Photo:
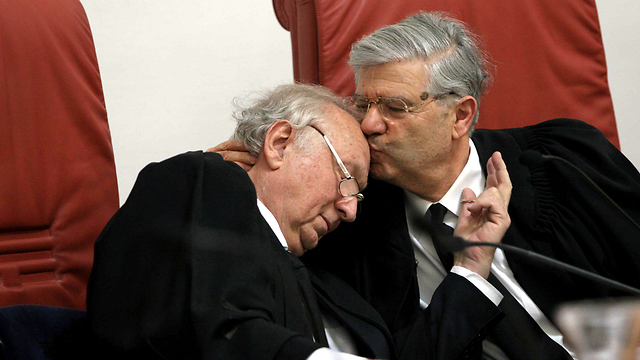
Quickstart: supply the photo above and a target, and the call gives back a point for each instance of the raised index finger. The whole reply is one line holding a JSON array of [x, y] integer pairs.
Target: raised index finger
[[498, 176]]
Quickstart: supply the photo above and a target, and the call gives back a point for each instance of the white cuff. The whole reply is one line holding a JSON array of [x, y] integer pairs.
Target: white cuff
[[481, 283], [328, 354]]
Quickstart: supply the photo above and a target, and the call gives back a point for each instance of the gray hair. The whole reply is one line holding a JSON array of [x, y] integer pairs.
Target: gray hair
[[451, 52], [300, 104]]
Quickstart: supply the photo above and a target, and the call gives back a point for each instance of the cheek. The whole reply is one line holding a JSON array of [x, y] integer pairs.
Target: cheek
[[315, 186], [318, 197], [402, 138], [302, 183], [309, 202], [398, 132], [426, 133]]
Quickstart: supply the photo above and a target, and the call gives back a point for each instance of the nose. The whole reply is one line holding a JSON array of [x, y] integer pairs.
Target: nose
[[374, 121], [347, 207]]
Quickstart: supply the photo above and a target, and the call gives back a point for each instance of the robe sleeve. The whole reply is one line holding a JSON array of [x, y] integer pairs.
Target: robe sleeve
[[573, 221], [556, 212]]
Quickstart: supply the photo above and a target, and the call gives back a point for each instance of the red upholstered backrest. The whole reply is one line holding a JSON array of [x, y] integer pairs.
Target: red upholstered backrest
[[549, 53], [57, 174]]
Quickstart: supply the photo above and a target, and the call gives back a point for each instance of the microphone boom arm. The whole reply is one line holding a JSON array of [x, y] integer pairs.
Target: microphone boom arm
[[557, 264]]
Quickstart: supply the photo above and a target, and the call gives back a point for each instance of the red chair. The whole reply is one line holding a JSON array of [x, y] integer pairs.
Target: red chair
[[57, 175], [549, 53]]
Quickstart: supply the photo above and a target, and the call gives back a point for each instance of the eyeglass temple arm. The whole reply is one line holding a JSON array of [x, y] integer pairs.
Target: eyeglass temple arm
[[335, 154]]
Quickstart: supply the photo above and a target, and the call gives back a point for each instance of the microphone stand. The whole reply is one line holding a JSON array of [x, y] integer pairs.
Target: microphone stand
[[556, 264]]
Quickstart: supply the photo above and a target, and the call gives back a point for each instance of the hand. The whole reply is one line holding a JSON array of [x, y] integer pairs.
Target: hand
[[234, 150], [484, 218]]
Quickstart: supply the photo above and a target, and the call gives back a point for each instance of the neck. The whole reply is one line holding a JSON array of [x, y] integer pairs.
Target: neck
[[260, 178]]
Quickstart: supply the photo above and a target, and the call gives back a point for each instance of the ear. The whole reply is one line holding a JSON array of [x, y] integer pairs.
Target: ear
[[278, 137], [465, 110]]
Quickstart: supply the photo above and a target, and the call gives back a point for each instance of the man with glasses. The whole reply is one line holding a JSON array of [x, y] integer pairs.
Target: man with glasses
[[201, 260], [419, 84]]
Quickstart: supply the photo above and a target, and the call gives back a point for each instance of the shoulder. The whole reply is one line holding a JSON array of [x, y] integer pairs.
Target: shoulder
[[194, 166], [194, 160], [558, 137], [192, 175], [555, 130]]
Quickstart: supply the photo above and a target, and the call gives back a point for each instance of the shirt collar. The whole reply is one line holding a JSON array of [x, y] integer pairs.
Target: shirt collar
[[471, 177], [273, 224]]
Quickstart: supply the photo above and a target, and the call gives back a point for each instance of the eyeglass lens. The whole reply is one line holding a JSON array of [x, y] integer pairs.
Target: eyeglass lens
[[388, 107], [349, 187]]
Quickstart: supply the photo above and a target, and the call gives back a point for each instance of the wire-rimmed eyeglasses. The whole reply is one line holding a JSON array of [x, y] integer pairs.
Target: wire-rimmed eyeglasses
[[390, 108], [348, 185]]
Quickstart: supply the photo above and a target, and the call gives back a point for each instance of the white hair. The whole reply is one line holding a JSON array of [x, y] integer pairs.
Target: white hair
[[300, 104]]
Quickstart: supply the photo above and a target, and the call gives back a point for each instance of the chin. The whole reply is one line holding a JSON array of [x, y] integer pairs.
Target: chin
[[379, 172], [297, 251], [310, 245], [309, 242]]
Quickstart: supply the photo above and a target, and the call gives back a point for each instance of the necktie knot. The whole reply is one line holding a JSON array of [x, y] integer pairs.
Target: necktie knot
[[435, 214]]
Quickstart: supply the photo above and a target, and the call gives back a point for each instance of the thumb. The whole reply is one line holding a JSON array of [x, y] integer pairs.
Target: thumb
[[468, 196], [468, 201]]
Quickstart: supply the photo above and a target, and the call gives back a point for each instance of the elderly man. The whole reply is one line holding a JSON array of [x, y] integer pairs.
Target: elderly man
[[201, 261], [419, 85], [195, 263], [418, 88]]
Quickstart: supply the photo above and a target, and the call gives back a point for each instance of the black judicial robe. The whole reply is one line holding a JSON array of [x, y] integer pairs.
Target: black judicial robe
[[553, 212], [189, 269]]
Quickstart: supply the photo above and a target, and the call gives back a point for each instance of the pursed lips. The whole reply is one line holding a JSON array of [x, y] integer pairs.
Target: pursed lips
[[374, 153]]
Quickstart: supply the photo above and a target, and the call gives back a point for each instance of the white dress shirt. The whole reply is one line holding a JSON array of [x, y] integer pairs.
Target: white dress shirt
[[430, 269], [341, 344]]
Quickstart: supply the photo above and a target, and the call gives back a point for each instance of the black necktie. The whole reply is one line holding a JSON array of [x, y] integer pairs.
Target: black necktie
[[439, 231], [309, 302]]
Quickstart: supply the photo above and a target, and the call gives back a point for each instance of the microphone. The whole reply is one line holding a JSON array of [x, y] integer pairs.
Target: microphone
[[532, 158], [456, 243]]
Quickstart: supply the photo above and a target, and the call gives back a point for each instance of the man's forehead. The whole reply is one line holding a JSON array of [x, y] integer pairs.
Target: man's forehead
[[351, 146], [348, 141]]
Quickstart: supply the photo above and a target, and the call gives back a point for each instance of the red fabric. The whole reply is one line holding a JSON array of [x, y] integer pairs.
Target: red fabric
[[57, 174], [549, 53]]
